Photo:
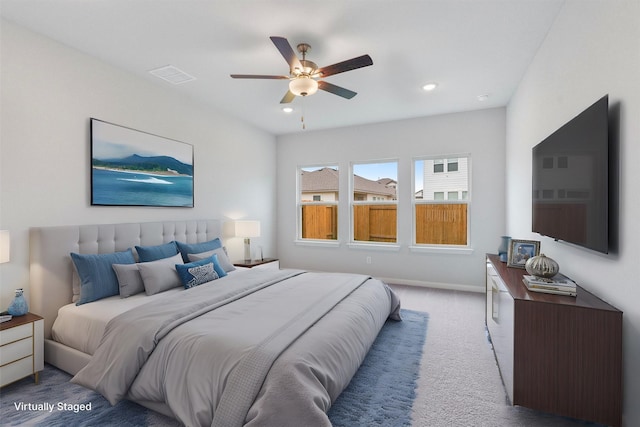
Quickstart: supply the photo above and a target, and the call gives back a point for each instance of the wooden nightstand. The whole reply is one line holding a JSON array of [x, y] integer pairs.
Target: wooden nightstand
[[21, 348], [272, 263]]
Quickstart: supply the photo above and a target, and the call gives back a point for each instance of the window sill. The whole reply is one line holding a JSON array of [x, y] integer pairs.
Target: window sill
[[444, 249], [321, 243], [374, 246]]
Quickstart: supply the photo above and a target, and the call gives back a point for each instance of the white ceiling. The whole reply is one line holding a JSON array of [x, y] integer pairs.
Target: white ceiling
[[469, 47]]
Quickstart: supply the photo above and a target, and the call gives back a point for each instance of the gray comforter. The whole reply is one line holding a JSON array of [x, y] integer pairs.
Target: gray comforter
[[270, 347]]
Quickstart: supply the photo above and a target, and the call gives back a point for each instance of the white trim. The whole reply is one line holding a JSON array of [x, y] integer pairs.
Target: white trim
[[374, 246], [352, 203], [436, 285], [315, 242], [414, 202], [300, 203], [442, 249]]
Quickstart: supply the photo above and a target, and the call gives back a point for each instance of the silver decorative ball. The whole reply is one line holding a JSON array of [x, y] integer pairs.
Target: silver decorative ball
[[542, 266]]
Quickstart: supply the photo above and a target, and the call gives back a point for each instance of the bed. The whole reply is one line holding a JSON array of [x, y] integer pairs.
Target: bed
[[252, 347]]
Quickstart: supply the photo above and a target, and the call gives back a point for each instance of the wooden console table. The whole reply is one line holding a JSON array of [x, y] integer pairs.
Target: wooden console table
[[556, 354]]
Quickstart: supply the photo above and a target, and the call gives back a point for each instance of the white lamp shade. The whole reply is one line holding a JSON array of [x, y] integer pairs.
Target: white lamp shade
[[303, 86], [4, 246], [246, 229]]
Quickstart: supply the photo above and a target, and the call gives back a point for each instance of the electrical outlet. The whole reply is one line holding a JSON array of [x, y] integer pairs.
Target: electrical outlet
[[368, 259]]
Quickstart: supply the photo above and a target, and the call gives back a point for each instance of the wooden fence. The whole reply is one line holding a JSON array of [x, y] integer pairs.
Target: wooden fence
[[375, 223], [441, 224], [320, 222], [436, 224]]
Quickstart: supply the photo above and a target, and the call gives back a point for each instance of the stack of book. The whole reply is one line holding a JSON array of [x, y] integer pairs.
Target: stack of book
[[558, 284]]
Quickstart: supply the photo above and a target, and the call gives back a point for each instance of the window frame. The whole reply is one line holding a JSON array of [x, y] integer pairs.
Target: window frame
[[434, 247], [300, 204], [353, 203]]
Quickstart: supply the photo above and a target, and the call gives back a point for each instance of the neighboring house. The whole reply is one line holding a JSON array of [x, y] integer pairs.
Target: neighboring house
[[319, 186], [446, 179], [388, 182], [368, 190], [322, 186]]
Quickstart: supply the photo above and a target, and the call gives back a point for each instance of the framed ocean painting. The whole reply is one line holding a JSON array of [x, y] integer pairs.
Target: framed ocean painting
[[134, 168]]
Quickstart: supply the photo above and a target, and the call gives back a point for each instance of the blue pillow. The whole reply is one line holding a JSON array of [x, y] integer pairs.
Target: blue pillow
[[199, 272], [152, 253], [197, 248], [97, 278]]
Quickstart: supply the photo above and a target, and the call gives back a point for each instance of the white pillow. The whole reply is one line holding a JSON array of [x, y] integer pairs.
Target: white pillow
[[160, 275], [129, 279], [223, 258]]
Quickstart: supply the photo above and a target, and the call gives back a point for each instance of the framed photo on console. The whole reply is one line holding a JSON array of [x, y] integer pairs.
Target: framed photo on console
[[520, 251]]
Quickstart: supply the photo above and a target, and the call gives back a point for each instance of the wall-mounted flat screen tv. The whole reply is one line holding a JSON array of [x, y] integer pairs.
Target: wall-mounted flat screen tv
[[571, 181]]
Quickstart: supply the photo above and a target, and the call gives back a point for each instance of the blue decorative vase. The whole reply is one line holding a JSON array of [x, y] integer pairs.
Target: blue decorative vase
[[503, 249], [19, 305]]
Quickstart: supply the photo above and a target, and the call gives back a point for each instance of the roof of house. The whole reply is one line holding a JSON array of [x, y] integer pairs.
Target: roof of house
[[326, 180], [321, 180]]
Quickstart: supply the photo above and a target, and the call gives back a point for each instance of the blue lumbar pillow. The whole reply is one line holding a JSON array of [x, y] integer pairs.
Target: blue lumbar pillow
[[152, 253], [197, 248], [199, 272]]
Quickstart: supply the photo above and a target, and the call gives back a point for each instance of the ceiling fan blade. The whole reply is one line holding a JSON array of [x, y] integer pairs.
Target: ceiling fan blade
[[257, 76], [288, 97], [348, 65], [336, 90], [287, 52]]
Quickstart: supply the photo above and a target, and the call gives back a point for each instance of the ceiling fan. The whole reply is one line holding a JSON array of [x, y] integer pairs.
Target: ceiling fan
[[304, 75]]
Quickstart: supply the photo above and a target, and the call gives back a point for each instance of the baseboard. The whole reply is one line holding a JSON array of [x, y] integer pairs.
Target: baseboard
[[437, 285]]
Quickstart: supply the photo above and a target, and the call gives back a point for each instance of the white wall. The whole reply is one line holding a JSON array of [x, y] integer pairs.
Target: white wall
[[50, 91], [479, 133], [592, 49]]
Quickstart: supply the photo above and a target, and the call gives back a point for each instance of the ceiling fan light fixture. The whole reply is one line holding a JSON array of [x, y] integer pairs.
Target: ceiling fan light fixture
[[303, 86]]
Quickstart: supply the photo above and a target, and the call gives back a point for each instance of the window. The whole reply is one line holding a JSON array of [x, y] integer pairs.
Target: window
[[318, 202], [374, 202], [563, 162], [438, 165], [441, 214]]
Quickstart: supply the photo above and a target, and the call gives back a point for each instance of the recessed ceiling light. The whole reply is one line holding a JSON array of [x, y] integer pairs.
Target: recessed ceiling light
[[430, 86], [287, 109], [483, 98]]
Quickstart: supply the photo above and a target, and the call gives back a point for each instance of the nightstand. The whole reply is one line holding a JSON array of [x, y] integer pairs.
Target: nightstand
[[262, 263], [21, 348]]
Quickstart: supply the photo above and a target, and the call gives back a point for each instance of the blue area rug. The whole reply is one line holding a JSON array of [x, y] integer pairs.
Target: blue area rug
[[381, 393]]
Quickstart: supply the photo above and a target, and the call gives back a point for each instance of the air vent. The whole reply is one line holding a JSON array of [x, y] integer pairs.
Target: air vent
[[172, 75]]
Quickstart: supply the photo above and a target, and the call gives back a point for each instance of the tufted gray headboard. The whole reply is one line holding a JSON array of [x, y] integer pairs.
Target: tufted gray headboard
[[50, 263]]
